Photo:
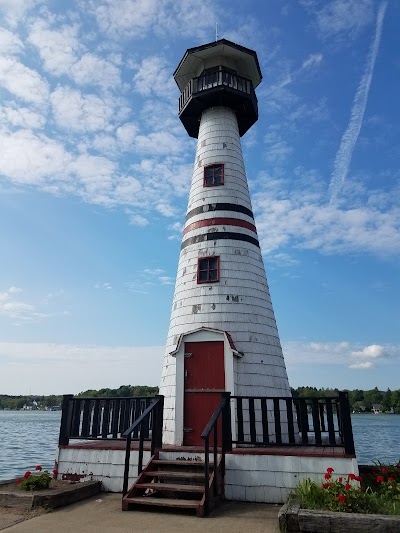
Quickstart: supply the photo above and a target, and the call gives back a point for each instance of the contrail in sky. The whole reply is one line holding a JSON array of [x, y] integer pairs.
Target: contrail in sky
[[350, 136]]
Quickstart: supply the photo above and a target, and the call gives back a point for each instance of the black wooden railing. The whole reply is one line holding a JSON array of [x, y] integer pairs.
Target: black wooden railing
[[153, 413], [216, 79], [101, 418], [285, 421], [221, 417]]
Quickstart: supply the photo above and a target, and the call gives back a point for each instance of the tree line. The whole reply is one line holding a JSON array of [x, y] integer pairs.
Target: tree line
[[47, 402], [360, 400]]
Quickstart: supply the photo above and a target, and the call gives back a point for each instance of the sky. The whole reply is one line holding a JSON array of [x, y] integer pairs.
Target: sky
[[95, 169]]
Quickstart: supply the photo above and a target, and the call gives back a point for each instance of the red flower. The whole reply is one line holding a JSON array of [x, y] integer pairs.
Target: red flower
[[358, 478], [27, 474], [19, 480], [327, 476], [380, 479], [340, 479], [384, 470], [347, 486], [329, 470], [351, 476], [390, 479], [55, 472], [38, 468], [341, 498]]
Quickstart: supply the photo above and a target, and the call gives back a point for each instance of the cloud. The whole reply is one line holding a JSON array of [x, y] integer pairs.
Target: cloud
[[79, 112], [94, 70], [13, 308], [106, 286], [294, 213], [366, 364], [23, 117], [81, 366], [340, 19], [138, 220], [26, 158], [374, 351], [154, 76], [350, 136], [313, 60], [58, 48], [9, 42], [14, 10], [138, 18], [23, 82], [338, 353]]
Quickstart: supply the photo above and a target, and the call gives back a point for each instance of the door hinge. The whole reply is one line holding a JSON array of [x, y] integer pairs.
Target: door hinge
[[188, 355], [187, 430]]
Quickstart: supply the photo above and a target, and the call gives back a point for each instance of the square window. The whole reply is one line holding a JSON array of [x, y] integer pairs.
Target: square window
[[213, 175], [208, 270]]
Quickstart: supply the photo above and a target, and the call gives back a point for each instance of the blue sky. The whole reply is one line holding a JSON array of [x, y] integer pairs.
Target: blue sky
[[95, 169]]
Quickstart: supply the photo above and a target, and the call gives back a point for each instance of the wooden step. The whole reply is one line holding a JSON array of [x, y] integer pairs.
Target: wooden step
[[172, 473], [163, 502], [171, 487], [173, 462]]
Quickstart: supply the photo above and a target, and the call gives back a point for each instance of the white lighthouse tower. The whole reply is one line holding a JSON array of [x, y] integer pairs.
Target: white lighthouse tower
[[222, 334]]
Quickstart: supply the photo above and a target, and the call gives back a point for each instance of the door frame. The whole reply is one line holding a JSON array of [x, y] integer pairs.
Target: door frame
[[201, 335]]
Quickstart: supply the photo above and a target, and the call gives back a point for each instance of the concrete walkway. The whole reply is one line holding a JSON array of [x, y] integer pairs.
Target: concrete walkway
[[103, 514]]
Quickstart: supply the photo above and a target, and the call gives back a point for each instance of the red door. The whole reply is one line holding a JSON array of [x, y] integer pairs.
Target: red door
[[204, 381]]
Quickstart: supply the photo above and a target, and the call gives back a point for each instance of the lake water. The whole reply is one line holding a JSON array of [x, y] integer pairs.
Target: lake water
[[29, 438]]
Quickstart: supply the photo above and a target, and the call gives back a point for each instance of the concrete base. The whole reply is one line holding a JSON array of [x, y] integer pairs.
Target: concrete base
[[292, 519]]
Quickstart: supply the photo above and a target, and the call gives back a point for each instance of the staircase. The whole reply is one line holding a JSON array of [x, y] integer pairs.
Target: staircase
[[174, 484]]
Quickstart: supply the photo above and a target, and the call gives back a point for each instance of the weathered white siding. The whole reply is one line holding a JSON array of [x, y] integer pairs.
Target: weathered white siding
[[240, 303], [271, 478], [106, 466]]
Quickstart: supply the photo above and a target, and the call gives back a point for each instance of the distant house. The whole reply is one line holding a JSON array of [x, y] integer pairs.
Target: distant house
[[376, 408]]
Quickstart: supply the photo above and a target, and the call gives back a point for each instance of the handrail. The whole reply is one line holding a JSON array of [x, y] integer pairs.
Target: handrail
[[156, 410], [93, 418], [209, 427], [223, 410], [286, 421]]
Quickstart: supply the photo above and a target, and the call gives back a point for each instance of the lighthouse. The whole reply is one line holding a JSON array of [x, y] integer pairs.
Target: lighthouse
[[222, 335]]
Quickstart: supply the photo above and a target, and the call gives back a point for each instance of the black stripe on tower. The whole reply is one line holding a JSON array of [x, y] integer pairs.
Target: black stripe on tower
[[219, 207], [215, 236]]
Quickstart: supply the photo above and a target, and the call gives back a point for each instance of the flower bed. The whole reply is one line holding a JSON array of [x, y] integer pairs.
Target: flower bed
[[341, 504]]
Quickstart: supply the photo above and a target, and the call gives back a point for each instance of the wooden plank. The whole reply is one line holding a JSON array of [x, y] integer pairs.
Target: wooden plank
[[264, 419], [95, 422], [115, 418], [170, 486], [163, 502], [87, 411], [175, 474], [239, 412], [105, 419], [277, 417], [315, 416], [329, 418], [180, 463], [252, 416], [289, 411]]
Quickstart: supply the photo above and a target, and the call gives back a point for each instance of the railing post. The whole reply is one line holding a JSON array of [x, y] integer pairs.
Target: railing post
[[207, 474], [160, 421], [126, 468], [66, 415], [345, 421], [226, 424]]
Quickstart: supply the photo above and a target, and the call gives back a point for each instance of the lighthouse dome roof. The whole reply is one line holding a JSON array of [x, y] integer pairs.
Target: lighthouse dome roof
[[221, 52]]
